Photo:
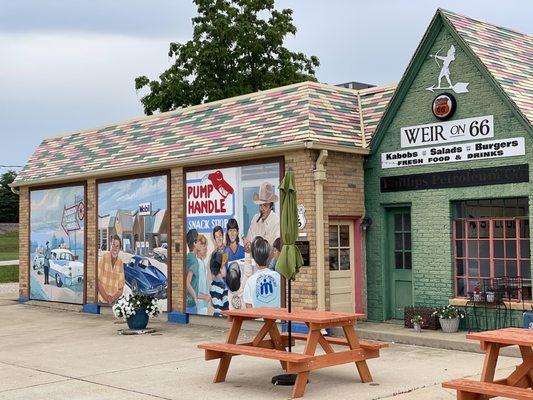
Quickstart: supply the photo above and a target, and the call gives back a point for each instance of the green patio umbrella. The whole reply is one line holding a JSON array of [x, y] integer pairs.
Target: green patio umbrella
[[290, 260]]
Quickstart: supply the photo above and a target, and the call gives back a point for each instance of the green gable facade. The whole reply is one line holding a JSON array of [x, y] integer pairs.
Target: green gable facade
[[412, 254]]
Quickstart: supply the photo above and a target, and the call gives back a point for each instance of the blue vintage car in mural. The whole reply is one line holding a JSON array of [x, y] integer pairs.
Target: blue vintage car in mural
[[144, 278]]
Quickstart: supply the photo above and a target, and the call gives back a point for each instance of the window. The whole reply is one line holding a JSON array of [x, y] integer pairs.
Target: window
[[491, 240], [402, 241], [339, 247]]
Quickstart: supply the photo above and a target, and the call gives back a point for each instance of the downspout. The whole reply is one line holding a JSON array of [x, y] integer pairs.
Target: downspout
[[16, 191], [319, 178]]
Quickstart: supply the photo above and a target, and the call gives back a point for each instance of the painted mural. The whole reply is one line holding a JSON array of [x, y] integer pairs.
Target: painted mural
[[232, 238], [133, 223], [57, 234]]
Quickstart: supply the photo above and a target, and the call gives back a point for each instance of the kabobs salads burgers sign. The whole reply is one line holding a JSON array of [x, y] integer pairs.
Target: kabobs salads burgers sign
[[476, 129]]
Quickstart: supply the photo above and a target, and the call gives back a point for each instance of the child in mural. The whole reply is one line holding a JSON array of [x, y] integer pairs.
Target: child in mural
[[276, 250], [218, 289], [234, 250], [111, 273], [263, 288], [266, 222], [218, 238], [196, 281]]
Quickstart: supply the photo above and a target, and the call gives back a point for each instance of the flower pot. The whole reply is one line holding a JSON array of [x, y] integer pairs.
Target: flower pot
[[477, 296], [449, 325], [490, 297], [417, 327], [139, 320]]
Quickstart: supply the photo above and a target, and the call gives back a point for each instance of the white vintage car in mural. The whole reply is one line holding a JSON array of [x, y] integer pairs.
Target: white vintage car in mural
[[64, 267]]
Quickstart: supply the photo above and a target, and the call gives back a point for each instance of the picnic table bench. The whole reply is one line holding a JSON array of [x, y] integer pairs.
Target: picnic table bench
[[517, 385], [275, 347]]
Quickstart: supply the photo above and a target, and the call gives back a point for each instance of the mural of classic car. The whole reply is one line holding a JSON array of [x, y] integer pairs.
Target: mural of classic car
[[144, 278], [64, 267], [161, 253]]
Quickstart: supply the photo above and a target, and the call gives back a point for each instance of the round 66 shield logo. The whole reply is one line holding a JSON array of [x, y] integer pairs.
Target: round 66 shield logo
[[444, 106]]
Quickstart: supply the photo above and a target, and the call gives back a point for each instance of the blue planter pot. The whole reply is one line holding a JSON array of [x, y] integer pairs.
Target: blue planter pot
[[139, 320]]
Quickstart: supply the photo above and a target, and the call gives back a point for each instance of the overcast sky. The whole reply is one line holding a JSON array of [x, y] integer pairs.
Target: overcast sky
[[69, 65]]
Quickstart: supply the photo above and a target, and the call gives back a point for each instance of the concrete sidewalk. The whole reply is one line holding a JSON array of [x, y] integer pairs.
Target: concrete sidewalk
[[9, 262], [52, 354]]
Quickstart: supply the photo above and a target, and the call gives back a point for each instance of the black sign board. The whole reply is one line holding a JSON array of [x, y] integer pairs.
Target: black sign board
[[303, 245], [457, 178]]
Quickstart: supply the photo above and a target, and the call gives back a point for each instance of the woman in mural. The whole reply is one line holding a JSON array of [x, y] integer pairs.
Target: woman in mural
[[204, 276], [233, 249]]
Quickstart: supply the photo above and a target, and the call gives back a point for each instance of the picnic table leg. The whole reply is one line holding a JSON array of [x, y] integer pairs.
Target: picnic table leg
[[275, 335], [224, 362], [527, 356], [523, 375], [362, 367], [492, 351], [301, 379]]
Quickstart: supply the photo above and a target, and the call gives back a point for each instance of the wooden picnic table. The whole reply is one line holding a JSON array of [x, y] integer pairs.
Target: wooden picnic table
[[292, 362], [517, 385]]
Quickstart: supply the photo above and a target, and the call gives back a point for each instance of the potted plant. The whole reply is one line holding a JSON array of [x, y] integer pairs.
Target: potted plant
[[136, 309], [477, 294], [449, 318], [490, 295], [417, 322]]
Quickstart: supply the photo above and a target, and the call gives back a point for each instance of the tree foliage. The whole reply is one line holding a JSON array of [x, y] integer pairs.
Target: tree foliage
[[236, 48], [9, 201]]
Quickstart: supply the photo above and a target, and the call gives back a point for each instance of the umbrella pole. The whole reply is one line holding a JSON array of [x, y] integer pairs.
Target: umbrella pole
[[290, 323]]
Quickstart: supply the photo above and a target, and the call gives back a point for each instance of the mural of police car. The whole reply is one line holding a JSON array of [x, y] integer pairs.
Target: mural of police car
[[65, 268], [144, 278]]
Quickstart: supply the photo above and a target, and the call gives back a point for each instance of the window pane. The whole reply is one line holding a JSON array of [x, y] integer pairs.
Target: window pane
[[510, 229], [497, 228], [398, 222], [344, 235], [484, 250], [523, 206], [524, 228], [345, 259], [473, 284], [460, 267], [398, 241], [525, 269], [524, 249], [472, 229], [473, 267], [460, 248], [499, 268], [510, 249], [511, 268], [459, 229], [408, 260], [333, 259], [407, 222], [498, 249], [461, 287], [484, 268], [472, 248], [398, 260], [333, 236], [407, 241]]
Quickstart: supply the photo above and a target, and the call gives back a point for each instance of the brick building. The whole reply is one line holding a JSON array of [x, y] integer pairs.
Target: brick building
[[75, 186], [448, 184]]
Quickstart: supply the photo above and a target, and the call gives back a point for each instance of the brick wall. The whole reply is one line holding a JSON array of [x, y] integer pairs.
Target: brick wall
[[433, 273], [24, 240], [177, 241], [92, 242]]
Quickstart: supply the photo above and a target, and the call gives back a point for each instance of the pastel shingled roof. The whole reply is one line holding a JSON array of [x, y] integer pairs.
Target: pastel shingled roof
[[508, 55], [373, 102], [304, 112]]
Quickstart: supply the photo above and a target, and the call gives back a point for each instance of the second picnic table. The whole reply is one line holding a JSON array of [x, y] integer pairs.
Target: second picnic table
[[275, 347]]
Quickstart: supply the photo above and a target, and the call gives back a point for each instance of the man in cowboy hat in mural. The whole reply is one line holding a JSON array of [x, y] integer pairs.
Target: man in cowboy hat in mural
[[266, 222]]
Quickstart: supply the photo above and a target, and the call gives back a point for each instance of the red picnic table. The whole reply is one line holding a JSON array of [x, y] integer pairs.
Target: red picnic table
[[517, 385], [292, 362]]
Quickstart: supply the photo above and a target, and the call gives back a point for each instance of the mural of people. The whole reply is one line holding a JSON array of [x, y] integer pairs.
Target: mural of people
[[57, 227], [276, 250], [263, 288], [266, 222], [220, 220], [111, 273], [133, 226]]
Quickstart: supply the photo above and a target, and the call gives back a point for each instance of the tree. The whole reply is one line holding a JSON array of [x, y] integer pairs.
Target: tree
[[236, 48], [9, 201]]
